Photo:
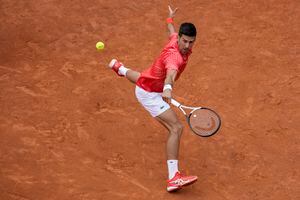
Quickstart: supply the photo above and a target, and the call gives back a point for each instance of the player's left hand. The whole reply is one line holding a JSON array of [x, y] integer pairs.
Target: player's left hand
[[172, 12]]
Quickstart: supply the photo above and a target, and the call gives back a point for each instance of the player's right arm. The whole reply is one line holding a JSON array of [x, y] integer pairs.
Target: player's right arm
[[172, 13], [169, 80]]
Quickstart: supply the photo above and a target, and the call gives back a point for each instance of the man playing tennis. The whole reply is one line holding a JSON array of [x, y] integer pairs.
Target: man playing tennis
[[154, 91]]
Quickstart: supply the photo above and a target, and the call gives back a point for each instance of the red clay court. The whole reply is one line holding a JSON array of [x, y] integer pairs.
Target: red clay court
[[70, 129]]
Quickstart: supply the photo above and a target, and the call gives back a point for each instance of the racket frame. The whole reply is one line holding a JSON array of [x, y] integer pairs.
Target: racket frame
[[193, 109]]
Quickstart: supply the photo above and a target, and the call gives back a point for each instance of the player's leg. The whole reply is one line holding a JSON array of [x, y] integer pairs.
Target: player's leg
[[132, 75], [162, 112], [171, 122], [121, 70]]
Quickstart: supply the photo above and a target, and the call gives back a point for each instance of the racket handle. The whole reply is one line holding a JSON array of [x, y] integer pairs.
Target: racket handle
[[175, 103]]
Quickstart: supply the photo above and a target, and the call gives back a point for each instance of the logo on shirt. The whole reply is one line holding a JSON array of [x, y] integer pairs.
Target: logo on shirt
[[162, 107]]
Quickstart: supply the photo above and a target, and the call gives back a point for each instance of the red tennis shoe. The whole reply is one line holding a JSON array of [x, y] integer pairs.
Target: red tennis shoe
[[179, 180], [115, 65]]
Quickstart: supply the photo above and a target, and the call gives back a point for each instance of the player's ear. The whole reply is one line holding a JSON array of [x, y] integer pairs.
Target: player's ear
[[179, 38]]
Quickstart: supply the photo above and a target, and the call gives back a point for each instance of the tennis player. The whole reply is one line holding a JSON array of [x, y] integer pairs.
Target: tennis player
[[154, 91]]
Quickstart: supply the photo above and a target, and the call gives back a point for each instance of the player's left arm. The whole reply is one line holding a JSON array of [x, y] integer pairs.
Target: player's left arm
[[172, 13], [169, 83]]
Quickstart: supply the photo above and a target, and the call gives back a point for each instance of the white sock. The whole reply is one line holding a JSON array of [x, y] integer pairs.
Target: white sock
[[123, 70], [172, 168]]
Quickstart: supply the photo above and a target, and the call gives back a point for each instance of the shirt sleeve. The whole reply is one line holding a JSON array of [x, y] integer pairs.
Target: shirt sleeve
[[173, 35]]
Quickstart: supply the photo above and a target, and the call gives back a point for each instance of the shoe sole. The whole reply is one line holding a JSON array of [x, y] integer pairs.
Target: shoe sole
[[112, 63], [190, 183], [174, 190]]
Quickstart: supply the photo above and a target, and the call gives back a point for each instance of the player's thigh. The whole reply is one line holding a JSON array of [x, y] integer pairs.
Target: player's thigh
[[168, 118], [133, 76], [167, 126]]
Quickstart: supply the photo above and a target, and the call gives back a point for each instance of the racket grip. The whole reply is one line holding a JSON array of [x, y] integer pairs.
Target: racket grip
[[175, 103]]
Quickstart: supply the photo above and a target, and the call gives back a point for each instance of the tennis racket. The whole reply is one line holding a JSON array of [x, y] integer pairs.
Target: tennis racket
[[203, 121]]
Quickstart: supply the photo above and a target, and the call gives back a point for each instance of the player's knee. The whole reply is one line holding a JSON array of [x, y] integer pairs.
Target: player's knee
[[177, 128]]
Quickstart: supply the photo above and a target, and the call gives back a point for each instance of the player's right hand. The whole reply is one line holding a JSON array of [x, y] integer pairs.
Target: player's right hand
[[167, 95]]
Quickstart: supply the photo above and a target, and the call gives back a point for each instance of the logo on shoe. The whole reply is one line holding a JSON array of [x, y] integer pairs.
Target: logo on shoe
[[181, 182]]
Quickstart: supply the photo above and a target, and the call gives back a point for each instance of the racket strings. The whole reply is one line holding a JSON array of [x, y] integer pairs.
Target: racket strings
[[204, 122]]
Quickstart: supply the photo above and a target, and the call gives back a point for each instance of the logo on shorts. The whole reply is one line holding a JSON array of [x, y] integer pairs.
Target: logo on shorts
[[162, 107]]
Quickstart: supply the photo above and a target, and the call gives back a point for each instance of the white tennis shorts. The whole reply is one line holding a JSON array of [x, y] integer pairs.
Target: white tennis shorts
[[152, 101]]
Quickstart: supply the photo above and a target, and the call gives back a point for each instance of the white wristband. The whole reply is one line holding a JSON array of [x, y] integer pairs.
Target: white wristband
[[167, 87]]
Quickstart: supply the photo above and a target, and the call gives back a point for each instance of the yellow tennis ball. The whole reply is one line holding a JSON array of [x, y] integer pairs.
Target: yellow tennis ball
[[100, 46]]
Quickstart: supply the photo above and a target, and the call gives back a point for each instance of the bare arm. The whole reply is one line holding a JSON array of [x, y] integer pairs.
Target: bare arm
[[172, 13], [170, 79]]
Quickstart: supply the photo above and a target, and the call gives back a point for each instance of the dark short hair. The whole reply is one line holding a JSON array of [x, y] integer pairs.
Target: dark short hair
[[187, 29]]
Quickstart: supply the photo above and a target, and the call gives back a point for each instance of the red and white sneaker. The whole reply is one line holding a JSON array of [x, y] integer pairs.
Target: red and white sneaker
[[115, 65], [179, 180]]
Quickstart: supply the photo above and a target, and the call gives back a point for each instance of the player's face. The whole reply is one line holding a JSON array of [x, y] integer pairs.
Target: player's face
[[185, 43]]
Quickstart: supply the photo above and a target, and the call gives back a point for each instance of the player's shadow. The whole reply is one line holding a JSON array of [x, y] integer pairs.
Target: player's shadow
[[188, 192]]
